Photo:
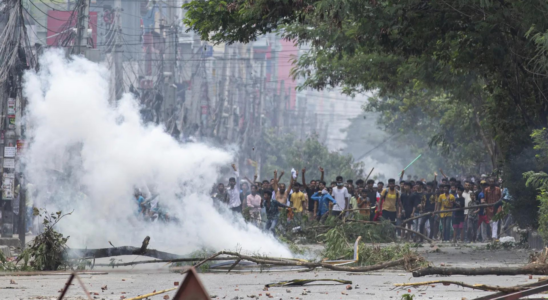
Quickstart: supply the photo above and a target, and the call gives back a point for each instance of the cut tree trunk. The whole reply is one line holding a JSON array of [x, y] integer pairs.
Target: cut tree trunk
[[531, 269], [119, 251]]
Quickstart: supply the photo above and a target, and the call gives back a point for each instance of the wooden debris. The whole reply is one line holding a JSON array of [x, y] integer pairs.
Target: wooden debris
[[483, 287], [407, 262], [152, 294], [534, 269], [301, 282]]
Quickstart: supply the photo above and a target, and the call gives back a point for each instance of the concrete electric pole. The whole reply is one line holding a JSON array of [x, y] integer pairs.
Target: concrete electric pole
[[82, 28], [117, 52]]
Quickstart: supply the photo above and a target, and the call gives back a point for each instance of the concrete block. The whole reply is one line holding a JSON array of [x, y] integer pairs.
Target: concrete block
[[12, 242]]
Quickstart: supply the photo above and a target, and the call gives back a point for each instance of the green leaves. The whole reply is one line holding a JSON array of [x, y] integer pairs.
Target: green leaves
[[285, 151], [463, 79], [48, 249]]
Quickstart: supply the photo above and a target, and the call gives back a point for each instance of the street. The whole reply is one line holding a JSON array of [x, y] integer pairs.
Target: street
[[142, 279]]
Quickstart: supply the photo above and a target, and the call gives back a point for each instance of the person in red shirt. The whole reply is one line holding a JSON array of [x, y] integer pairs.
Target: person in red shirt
[[492, 194]]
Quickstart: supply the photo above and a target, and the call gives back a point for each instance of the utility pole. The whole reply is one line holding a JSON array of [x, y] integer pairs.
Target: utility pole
[[222, 94], [117, 49], [233, 81], [82, 28], [281, 107], [259, 115], [172, 39]]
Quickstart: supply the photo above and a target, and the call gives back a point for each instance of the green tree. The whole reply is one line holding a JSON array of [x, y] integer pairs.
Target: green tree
[[539, 179], [485, 57], [284, 151]]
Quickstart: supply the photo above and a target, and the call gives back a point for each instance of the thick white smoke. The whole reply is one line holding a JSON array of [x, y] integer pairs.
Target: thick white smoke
[[81, 143]]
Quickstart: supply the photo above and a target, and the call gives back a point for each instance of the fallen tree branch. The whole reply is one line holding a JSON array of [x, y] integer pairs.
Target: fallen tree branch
[[124, 250], [233, 265], [398, 227], [119, 251], [445, 211], [530, 269], [483, 287], [144, 246], [417, 233], [301, 282], [154, 261], [407, 262]]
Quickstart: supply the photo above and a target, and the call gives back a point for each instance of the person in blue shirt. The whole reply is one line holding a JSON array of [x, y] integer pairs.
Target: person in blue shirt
[[323, 197], [139, 198]]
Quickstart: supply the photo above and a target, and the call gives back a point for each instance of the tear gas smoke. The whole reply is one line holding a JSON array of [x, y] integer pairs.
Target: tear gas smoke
[[87, 155]]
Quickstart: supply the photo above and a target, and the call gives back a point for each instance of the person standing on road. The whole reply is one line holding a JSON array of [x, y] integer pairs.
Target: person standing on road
[[282, 193], [311, 189], [418, 199], [372, 195], [325, 201], [221, 195], [458, 216], [254, 201], [492, 195], [272, 211], [428, 204], [446, 201], [472, 219], [466, 195], [243, 194], [341, 196], [391, 204], [234, 201], [408, 201], [298, 203]]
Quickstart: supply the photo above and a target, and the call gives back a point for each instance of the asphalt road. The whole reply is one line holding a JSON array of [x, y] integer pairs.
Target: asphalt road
[[130, 282]]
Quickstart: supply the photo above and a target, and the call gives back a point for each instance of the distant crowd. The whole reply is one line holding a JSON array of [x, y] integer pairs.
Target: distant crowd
[[462, 209]]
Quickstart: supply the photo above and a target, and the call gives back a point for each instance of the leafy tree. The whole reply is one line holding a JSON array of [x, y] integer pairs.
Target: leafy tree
[[487, 58], [538, 179], [285, 151]]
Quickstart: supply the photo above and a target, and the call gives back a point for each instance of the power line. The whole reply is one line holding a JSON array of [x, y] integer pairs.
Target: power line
[[46, 13], [38, 23], [48, 5], [382, 143]]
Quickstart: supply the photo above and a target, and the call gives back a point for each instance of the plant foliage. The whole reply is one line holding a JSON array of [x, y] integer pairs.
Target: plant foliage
[[48, 249], [469, 76]]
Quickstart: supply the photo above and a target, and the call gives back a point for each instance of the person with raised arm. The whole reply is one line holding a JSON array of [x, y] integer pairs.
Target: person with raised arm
[[280, 190]]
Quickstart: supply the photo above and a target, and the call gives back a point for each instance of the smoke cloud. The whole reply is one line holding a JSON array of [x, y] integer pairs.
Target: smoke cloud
[[87, 155]]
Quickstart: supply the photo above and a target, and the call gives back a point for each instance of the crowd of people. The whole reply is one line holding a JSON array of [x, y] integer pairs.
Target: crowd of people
[[450, 209]]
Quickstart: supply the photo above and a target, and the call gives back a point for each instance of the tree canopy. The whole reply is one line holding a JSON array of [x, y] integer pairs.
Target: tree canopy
[[465, 76]]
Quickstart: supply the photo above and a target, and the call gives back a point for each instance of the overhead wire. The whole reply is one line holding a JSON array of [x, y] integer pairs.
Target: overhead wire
[[36, 21], [46, 13]]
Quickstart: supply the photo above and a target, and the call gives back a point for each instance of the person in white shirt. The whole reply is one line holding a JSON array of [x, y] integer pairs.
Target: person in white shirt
[[234, 202], [467, 199], [341, 196]]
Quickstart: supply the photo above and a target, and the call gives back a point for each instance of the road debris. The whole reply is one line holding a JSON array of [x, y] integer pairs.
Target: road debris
[[483, 287], [154, 293], [301, 282]]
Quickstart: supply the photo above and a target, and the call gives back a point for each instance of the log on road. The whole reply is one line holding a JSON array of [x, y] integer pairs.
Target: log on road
[[124, 250], [531, 269], [119, 251]]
